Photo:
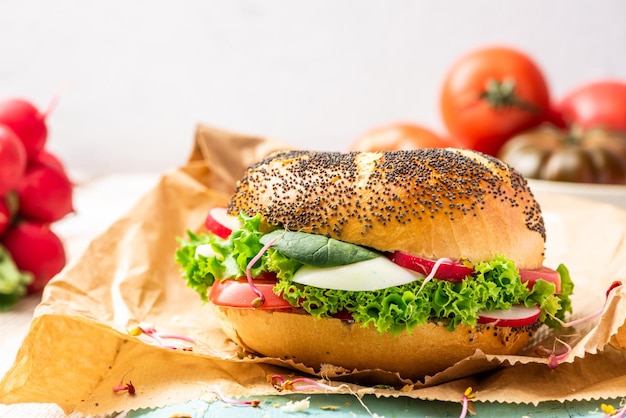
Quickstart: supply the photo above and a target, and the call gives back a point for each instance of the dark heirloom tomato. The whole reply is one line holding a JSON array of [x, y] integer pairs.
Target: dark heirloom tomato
[[548, 153]]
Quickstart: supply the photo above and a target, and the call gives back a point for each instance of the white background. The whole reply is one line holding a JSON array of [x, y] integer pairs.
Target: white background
[[135, 77]]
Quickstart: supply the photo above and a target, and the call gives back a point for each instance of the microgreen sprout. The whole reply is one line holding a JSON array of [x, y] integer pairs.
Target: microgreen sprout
[[308, 384], [260, 299], [554, 359], [299, 384], [592, 315], [231, 401], [554, 356], [467, 396], [148, 329], [610, 411], [125, 387], [432, 273]]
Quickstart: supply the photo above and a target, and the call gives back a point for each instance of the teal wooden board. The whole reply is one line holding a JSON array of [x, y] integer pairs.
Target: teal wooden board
[[348, 406]]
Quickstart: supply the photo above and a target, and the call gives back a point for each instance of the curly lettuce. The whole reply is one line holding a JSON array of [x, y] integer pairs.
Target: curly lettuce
[[496, 285]]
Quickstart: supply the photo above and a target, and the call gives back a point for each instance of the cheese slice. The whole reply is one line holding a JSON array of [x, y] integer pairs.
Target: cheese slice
[[375, 274]]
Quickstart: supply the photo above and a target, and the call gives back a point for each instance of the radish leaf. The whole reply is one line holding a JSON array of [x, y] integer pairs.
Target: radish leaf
[[13, 283]]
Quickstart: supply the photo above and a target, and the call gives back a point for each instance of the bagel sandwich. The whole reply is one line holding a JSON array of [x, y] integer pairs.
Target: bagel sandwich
[[402, 261]]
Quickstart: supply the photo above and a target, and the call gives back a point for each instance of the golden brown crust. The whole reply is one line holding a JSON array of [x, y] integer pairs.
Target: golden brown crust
[[429, 202], [312, 341]]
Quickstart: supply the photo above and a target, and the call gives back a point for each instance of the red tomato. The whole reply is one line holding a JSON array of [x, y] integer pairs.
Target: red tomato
[[491, 94], [599, 104], [398, 136], [238, 294]]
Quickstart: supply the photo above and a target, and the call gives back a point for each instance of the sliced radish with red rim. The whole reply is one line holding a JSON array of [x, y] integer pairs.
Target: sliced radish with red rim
[[219, 222], [516, 316], [451, 271]]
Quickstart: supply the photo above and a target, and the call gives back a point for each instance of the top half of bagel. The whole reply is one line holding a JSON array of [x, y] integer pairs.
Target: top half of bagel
[[432, 203]]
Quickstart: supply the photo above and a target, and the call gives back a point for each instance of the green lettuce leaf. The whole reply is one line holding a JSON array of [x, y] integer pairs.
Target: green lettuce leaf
[[231, 257], [13, 282], [496, 285]]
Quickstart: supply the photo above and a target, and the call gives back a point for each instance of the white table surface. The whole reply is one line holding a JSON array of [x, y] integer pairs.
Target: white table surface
[[98, 202]]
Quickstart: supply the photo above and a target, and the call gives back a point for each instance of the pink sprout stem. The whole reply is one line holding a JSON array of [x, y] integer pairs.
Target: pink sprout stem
[[305, 383], [432, 273], [125, 387], [231, 401], [150, 331], [467, 395], [592, 315], [583, 319], [178, 337], [261, 298], [555, 359], [465, 405], [299, 384]]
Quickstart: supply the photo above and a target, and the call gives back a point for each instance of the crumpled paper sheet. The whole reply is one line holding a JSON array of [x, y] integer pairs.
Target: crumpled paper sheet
[[78, 346]]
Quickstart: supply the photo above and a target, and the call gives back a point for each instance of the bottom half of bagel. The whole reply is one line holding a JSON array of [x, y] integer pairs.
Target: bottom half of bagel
[[430, 348]]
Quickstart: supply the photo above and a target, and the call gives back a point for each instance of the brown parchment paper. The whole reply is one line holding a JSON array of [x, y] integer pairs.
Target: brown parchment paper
[[78, 346]]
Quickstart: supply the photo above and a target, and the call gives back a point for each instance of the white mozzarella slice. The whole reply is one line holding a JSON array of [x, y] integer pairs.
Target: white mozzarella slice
[[377, 273]]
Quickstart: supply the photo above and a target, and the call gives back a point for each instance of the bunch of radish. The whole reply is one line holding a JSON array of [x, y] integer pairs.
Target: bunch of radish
[[35, 191]]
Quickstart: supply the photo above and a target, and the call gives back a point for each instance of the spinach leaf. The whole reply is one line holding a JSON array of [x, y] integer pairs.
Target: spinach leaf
[[317, 250]]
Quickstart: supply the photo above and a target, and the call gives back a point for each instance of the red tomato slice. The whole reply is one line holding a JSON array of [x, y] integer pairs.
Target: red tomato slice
[[455, 272], [238, 294], [545, 273]]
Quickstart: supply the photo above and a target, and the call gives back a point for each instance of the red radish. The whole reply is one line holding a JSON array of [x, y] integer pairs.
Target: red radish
[[516, 316], [453, 271], [35, 249], [544, 273], [5, 216], [12, 160], [45, 157], [26, 122], [221, 223], [45, 194]]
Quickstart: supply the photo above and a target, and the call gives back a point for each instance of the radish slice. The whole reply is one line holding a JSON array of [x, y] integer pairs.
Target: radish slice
[[221, 223], [452, 271], [516, 316]]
